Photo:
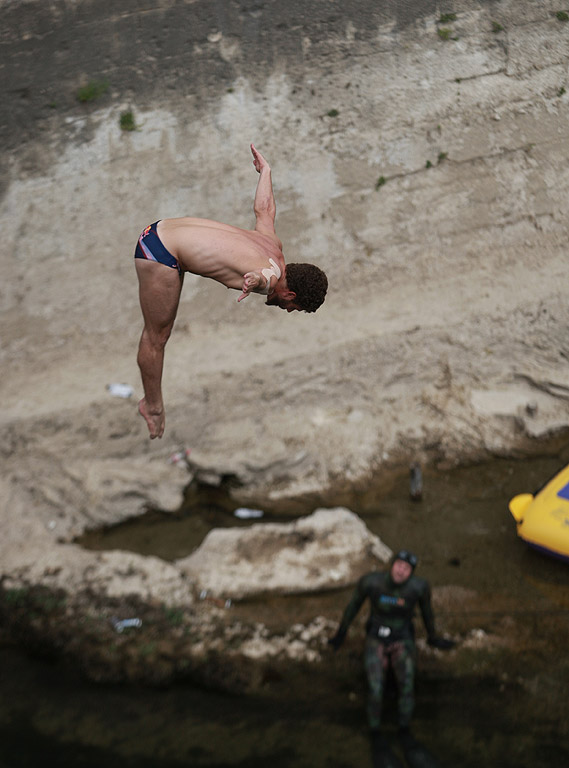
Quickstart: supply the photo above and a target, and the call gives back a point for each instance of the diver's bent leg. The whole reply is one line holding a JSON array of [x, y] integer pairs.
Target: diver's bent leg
[[151, 361], [160, 289]]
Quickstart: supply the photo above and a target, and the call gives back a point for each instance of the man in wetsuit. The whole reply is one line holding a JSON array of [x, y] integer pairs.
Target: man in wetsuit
[[250, 261], [390, 635]]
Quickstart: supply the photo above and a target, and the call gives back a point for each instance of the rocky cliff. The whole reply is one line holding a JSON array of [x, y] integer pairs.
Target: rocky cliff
[[419, 154]]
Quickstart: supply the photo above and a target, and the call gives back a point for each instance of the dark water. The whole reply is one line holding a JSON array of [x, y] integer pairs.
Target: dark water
[[491, 708]]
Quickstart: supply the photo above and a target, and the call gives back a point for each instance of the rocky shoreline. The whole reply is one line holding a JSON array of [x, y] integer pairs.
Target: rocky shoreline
[[424, 171]]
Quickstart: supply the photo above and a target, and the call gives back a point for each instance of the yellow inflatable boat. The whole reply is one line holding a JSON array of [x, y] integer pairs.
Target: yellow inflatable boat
[[543, 520]]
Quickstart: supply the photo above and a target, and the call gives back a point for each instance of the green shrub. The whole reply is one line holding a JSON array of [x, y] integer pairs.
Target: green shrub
[[93, 90], [127, 121]]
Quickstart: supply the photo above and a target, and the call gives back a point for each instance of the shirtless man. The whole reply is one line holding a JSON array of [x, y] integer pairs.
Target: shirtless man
[[250, 261]]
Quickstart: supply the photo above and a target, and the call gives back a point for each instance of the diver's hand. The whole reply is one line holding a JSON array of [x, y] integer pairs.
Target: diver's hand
[[259, 161], [251, 281], [337, 640], [442, 643]]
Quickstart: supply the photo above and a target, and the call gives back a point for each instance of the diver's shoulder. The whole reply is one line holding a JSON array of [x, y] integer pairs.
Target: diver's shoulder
[[419, 584], [374, 579]]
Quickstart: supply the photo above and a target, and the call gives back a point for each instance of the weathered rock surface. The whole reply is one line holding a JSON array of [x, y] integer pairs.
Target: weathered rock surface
[[327, 550], [444, 282], [31, 554], [425, 172]]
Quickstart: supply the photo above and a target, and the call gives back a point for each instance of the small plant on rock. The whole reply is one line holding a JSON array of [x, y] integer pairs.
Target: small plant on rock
[[127, 121], [174, 616], [92, 91]]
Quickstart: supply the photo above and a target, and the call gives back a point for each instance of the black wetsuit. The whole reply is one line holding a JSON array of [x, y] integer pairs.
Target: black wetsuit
[[390, 636]]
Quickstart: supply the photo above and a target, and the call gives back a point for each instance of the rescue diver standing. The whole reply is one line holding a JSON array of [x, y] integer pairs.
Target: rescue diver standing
[[390, 635]]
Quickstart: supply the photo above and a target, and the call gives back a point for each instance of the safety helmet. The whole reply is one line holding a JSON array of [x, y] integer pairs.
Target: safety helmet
[[407, 557]]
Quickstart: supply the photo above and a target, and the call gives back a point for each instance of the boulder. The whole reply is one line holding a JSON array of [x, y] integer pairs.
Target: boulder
[[326, 550]]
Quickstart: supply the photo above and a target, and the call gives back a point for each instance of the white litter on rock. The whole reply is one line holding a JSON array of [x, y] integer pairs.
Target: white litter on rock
[[247, 514], [120, 390], [121, 625]]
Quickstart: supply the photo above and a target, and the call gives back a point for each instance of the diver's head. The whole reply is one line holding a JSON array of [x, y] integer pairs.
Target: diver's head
[[309, 285], [402, 566]]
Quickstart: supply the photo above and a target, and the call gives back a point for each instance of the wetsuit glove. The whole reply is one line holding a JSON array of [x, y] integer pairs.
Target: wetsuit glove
[[442, 643], [338, 639]]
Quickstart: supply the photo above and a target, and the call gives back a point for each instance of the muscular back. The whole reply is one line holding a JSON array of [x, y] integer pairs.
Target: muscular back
[[219, 251]]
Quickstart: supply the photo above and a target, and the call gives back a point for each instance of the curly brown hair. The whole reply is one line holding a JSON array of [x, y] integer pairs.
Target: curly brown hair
[[309, 283]]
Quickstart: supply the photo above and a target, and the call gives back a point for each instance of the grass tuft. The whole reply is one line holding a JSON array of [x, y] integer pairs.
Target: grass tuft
[[127, 121], [92, 91]]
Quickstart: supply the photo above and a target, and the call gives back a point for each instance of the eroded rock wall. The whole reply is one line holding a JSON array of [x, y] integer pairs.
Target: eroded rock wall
[[422, 163]]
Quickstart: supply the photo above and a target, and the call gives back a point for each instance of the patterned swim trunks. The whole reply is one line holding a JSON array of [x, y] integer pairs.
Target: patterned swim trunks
[[150, 247]]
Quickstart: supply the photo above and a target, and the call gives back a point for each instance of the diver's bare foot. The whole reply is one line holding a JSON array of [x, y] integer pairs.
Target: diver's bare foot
[[155, 421]]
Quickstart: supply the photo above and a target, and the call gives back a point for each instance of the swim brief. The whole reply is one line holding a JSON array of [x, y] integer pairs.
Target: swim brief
[[150, 247]]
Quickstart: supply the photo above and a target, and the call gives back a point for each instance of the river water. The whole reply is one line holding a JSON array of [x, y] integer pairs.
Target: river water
[[488, 707]]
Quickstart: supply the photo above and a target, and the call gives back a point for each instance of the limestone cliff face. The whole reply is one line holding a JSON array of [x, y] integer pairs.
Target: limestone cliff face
[[419, 156]]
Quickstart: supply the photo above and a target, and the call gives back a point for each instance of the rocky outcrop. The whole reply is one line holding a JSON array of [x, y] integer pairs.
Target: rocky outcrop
[[327, 550], [120, 616], [421, 163]]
